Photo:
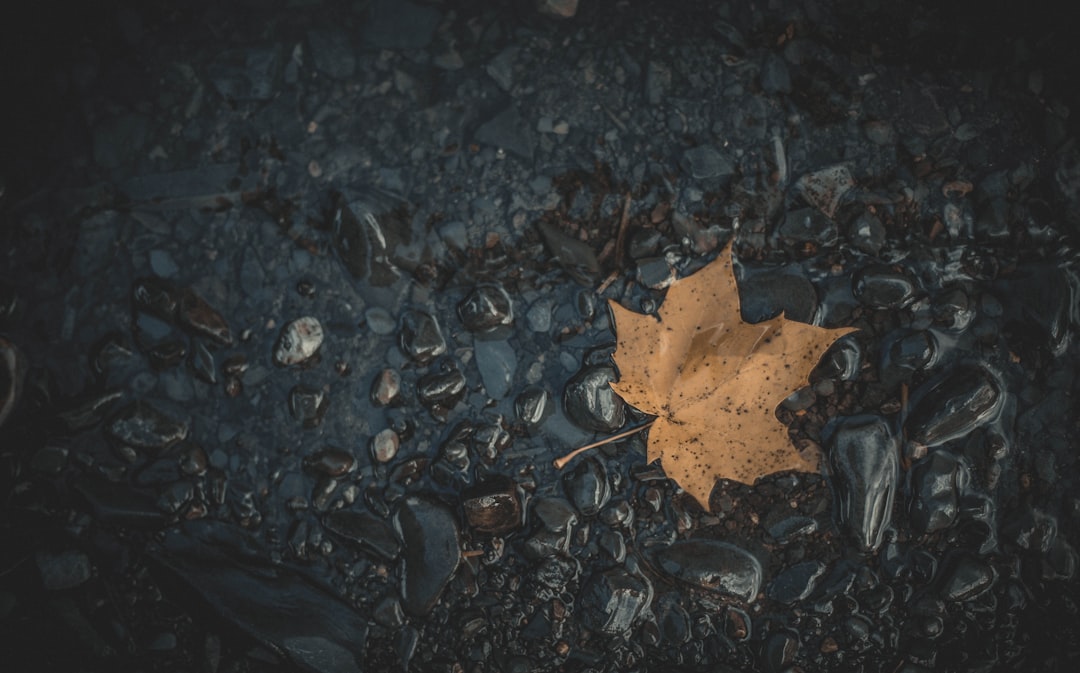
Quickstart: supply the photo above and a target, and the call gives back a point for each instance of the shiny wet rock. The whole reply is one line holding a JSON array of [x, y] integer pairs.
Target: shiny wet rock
[[143, 426], [713, 565], [486, 308], [590, 401], [953, 404], [864, 469], [432, 552]]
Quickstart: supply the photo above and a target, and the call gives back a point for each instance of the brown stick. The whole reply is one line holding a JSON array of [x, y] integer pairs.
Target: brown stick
[[560, 463], [621, 236]]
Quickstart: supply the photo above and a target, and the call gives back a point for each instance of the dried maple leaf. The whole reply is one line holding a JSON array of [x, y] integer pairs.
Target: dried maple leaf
[[714, 381]]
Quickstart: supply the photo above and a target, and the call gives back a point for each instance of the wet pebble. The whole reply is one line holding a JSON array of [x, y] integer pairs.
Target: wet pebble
[[953, 404], [365, 532], [554, 514], [590, 401], [298, 342], [705, 162], [796, 583], [442, 388], [201, 318], [612, 600], [493, 506], [533, 406], [539, 315], [331, 462], [497, 362], [380, 321], [142, 426], [386, 387], [965, 577], [587, 486], [936, 485], [807, 225], [864, 469], [157, 297], [420, 337], [882, 287], [867, 233], [384, 445], [201, 362], [388, 612], [193, 460], [655, 272], [308, 405], [713, 565], [781, 648], [432, 552], [486, 308], [89, 411]]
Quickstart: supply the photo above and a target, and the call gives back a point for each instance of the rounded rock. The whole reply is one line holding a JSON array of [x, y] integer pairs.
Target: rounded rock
[[710, 564], [384, 445], [299, 342], [590, 401], [587, 486], [486, 308]]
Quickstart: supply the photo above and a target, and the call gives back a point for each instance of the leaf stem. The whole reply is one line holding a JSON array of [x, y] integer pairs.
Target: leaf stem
[[560, 463]]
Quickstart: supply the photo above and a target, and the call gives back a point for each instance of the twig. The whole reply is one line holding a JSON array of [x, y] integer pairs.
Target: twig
[[607, 282], [560, 463], [619, 239]]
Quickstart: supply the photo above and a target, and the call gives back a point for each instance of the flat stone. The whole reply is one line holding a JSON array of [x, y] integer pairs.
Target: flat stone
[[432, 552], [497, 362], [705, 162], [509, 131]]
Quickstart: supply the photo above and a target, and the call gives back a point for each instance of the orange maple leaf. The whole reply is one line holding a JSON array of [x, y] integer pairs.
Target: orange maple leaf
[[714, 381]]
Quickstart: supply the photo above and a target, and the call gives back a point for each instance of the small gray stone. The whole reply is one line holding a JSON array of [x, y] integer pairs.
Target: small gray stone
[[379, 321], [497, 362], [509, 131], [539, 315], [162, 264], [705, 162]]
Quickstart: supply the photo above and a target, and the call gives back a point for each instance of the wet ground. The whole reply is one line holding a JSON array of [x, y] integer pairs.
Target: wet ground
[[299, 301]]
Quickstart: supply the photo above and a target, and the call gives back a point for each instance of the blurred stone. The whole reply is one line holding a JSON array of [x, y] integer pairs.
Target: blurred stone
[[400, 24], [563, 9], [63, 570]]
